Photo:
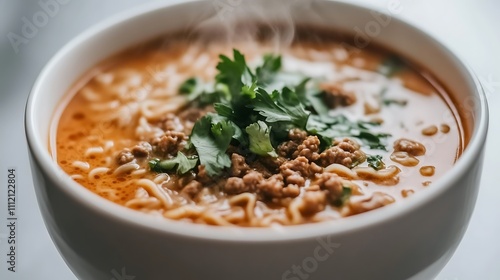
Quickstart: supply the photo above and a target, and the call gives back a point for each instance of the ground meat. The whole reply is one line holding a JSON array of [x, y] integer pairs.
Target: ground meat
[[272, 163], [141, 150], [345, 152], [297, 134], [336, 96], [272, 187], [202, 175], [291, 190], [377, 200], [299, 166], [192, 188], [249, 183], [125, 156], [331, 183], [238, 165], [287, 148], [169, 143], [413, 148], [313, 202], [308, 148]]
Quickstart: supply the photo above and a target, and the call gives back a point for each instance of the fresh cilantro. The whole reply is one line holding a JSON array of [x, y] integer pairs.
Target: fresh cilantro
[[211, 141], [234, 73], [399, 102], [200, 92], [375, 162], [260, 142], [280, 107], [344, 196], [256, 110], [180, 164], [268, 70], [331, 127]]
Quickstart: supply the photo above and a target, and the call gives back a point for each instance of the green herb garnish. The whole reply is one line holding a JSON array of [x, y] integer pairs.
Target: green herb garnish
[[255, 114], [375, 162], [346, 194], [181, 164]]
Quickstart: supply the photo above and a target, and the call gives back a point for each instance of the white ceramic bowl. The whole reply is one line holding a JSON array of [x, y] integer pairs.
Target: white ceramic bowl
[[101, 240]]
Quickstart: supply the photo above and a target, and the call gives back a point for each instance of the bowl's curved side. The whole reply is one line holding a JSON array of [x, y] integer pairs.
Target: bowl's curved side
[[93, 244], [96, 236]]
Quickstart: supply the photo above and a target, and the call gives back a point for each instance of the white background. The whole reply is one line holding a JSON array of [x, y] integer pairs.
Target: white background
[[468, 27]]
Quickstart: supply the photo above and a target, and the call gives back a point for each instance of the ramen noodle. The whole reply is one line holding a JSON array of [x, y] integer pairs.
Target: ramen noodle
[[260, 136]]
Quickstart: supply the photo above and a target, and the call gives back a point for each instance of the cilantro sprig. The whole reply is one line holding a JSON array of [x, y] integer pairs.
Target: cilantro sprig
[[254, 114]]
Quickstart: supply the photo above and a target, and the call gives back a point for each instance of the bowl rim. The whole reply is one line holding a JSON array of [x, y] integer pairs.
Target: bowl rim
[[161, 225]]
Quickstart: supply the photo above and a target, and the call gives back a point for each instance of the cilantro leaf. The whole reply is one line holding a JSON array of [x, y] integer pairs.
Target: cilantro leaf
[[203, 93], [181, 164], [211, 140], [260, 141], [234, 73], [346, 194], [269, 68], [280, 107], [375, 162]]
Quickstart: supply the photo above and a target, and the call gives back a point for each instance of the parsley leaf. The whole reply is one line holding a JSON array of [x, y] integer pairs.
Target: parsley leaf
[[181, 164], [260, 141], [375, 162], [346, 194], [330, 127], [280, 107], [267, 71], [211, 140], [234, 73]]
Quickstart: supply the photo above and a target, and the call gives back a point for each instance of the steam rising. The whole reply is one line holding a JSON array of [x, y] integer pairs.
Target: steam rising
[[245, 20]]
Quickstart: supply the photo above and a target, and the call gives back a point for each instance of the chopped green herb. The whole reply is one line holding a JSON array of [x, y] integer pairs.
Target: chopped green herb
[[260, 141], [346, 194], [181, 164], [211, 141], [255, 110], [399, 102], [267, 71], [375, 162]]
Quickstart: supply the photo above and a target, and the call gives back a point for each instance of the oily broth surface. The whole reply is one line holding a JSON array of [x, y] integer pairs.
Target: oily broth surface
[[87, 138]]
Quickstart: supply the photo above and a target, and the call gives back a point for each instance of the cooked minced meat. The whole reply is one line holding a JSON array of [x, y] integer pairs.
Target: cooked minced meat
[[309, 148], [287, 148], [192, 188], [346, 152], [169, 143], [142, 150], [313, 202], [124, 156], [239, 167], [331, 183]]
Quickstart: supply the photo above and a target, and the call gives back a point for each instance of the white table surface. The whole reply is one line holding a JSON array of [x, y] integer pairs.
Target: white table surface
[[469, 28]]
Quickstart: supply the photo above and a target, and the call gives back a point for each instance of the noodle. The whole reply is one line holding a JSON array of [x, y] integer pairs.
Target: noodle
[[130, 124]]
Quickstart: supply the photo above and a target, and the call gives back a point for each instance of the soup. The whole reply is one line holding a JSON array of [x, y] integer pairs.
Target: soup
[[248, 134]]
